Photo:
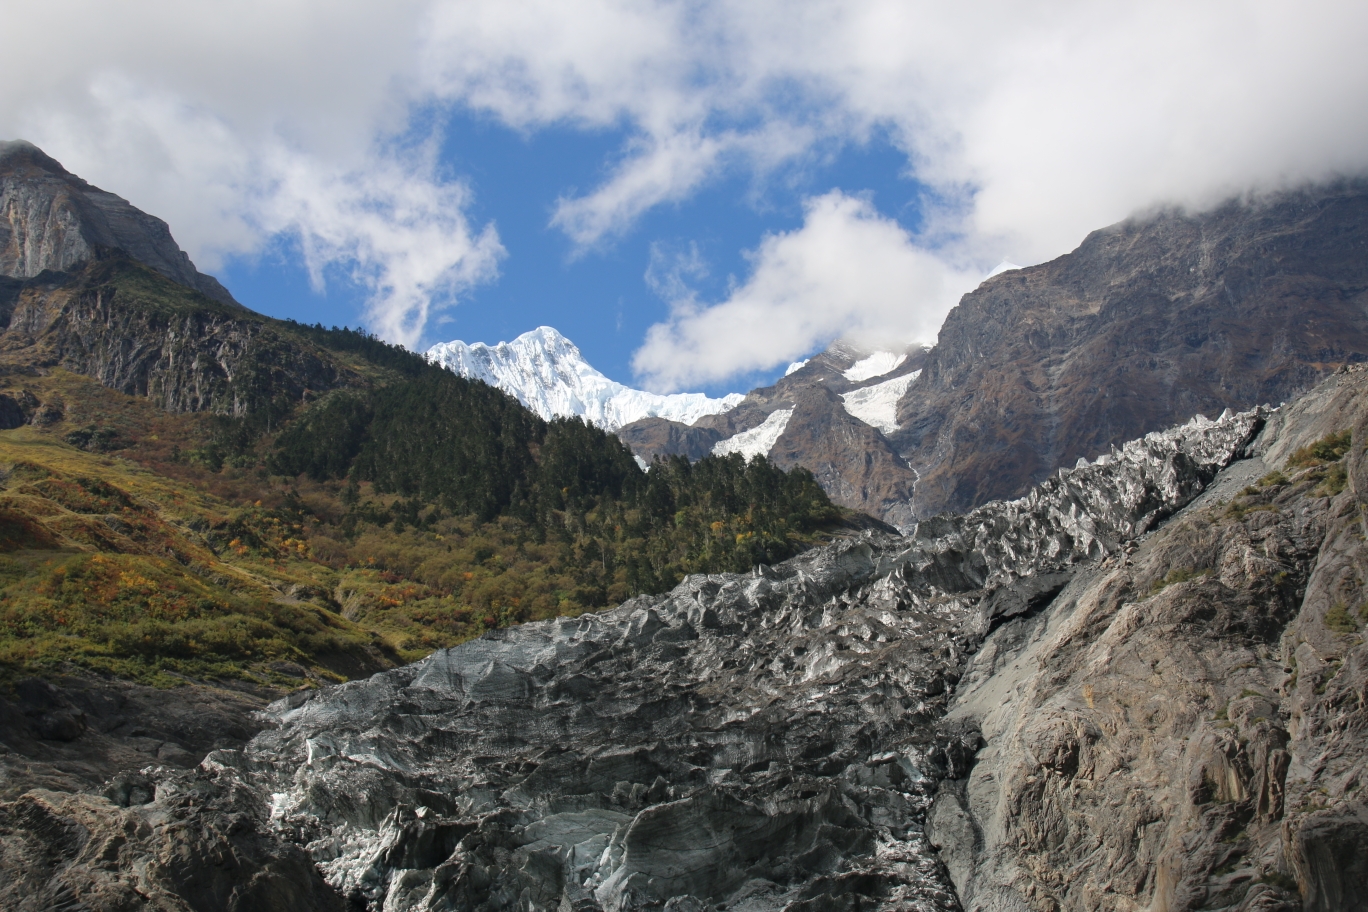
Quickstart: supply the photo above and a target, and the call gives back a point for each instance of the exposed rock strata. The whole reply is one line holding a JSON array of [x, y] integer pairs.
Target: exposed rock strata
[[1184, 726], [1147, 323], [107, 323], [50, 219]]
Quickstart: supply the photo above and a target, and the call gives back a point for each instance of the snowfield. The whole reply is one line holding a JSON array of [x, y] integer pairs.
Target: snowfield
[[758, 441], [877, 405]]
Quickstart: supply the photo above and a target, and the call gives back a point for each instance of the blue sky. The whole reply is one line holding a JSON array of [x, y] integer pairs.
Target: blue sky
[[695, 191], [600, 297]]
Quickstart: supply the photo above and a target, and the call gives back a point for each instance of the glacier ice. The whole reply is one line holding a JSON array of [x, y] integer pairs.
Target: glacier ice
[[877, 405], [758, 441], [546, 372]]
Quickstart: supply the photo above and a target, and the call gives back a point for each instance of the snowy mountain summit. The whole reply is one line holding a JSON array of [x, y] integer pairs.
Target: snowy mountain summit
[[546, 372]]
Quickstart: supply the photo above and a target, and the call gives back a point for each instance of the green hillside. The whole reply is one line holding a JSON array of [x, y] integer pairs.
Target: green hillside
[[339, 506]]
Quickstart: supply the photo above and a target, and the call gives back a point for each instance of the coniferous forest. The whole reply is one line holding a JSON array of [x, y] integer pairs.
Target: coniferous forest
[[494, 516]]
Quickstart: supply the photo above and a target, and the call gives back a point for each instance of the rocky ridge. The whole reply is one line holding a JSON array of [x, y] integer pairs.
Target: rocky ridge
[[51, 220]]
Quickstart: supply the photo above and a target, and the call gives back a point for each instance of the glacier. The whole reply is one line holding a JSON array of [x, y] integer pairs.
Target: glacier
[[877, 405], [546, 372], [758, 441]]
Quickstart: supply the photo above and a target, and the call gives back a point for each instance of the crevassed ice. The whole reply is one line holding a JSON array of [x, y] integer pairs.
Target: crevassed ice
[[875, 365], [877, 405], [547, 373], [796, 366], [758, 441]]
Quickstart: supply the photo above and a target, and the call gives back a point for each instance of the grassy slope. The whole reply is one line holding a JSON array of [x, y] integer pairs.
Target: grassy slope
[[151, 560]]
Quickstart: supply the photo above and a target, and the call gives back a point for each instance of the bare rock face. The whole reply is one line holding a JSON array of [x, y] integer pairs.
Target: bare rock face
[[1146, 324], [1183, 727], [52, 220], [109, 320]]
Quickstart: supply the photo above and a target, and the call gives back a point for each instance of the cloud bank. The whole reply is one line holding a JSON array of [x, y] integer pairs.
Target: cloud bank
[[848, 272], [1031, 123]]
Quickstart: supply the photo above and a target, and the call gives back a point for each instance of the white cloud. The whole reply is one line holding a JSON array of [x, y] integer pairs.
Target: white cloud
[[402, 234], [1036, 122], [246, 123], [847, 272]]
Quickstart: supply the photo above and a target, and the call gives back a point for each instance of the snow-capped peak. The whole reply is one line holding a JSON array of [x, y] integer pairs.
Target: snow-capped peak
[[547, 373]]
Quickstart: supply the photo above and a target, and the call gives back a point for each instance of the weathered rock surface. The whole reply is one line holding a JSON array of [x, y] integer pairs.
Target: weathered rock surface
[[1184, 726], [109, 321], [50, 219], [1147, 323], [102, 808]]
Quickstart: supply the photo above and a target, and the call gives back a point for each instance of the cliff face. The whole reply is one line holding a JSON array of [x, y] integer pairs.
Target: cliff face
[[51, 219], [1184, 726], [93, 285], [1146, 324], [130, 329]]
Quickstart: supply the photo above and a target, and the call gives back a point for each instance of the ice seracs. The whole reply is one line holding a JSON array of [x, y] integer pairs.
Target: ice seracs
[[547, 373]]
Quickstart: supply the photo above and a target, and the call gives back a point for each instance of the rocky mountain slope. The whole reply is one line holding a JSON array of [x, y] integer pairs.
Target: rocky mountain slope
[[1140, 686], [546, 372], [50, 219], [824, 416], [1146, 324]]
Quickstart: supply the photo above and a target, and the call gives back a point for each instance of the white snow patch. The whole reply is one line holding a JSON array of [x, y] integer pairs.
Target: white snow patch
[[546, 372], [645, 466], [796, 365], [1000, 268], [758, 441], [877, 405], [876, 365]]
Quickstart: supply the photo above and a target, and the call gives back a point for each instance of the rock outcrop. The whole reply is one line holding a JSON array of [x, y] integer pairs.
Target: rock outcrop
[[1184, 726], [1147, 323], [50, 219], [113, 320], [93, 285]]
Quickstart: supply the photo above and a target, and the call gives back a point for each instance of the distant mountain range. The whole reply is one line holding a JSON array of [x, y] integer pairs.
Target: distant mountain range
[[547, 373]]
